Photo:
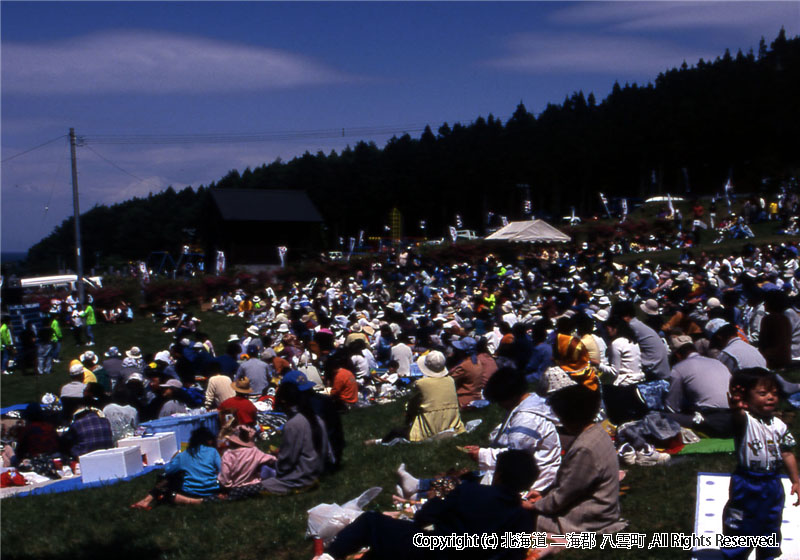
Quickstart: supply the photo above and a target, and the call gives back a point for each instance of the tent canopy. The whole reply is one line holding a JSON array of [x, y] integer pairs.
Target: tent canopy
[[533, 231]]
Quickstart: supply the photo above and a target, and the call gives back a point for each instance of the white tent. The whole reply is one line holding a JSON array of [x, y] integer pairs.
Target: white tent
[[533, 231]]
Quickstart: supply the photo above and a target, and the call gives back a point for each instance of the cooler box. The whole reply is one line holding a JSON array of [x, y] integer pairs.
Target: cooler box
[[182, 426], [157, 449], [108, 464]]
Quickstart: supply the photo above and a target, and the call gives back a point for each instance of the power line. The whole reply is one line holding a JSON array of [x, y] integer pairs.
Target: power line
[[151, 181], [235, 137], [34, 148]]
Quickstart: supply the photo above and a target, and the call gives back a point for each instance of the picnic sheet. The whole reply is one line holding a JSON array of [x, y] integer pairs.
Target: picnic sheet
[[709, 445], [68, 484], [712, 495]]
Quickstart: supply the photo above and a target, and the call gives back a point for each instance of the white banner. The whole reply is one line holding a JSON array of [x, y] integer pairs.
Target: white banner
[[453, 234], [624, 209], [220, 267], [282, 255]]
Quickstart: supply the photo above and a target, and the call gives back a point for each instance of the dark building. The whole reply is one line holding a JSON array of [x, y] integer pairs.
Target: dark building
[[250, 225]]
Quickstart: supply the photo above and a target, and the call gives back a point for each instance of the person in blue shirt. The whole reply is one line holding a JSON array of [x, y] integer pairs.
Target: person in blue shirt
[[190, 477]]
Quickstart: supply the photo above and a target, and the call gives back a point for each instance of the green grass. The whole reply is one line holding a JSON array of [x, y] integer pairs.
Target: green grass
[[97, 523]]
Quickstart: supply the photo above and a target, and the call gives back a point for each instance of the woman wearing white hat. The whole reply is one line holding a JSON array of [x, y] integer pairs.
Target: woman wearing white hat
[[433, 406]]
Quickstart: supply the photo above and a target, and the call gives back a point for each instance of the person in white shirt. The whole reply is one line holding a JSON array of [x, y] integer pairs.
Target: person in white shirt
[[625, 356], [403, 355]]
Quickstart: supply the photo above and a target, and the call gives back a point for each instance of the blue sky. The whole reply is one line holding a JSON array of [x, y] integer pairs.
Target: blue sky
[[281, 70]]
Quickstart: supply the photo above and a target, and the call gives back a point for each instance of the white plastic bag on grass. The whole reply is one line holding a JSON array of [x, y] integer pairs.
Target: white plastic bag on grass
[[326, 520]]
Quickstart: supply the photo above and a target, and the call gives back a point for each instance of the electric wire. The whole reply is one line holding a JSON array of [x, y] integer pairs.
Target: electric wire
[[34, 148]]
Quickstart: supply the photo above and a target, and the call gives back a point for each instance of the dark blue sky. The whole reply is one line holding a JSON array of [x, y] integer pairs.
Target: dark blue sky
[[270, 67]]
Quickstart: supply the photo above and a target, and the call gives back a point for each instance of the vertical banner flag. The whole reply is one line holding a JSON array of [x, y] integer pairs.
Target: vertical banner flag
[[453, 234], [220, 268], [504, 221], [728, 192], [671, 207], [526, 207], [144, 272], [624, 209], [282, 255], [573, 219], [458, 221], [352, 246], [604, 200], [361, 238]]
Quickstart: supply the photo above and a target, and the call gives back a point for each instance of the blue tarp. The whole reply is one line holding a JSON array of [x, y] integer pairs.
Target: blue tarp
[[12, 408], [76, 483]]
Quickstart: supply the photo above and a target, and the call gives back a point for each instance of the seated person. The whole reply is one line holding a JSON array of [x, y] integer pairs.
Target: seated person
[[170, 395], [585, 496], [238, 410], [528, 425], [90, 430], [433, 405], [469, 508], [38, 437], [467, 371], [305, 447], [698, 391], [240, 473], [190, 477]]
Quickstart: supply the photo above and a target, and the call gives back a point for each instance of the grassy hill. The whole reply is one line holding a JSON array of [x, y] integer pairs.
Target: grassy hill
[[97, 523]]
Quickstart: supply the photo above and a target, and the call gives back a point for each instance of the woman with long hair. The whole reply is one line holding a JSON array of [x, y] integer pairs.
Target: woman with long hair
[[190, 477], [304, 450]]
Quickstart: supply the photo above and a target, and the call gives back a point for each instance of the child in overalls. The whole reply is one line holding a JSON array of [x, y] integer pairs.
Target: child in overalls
[[763, 444]]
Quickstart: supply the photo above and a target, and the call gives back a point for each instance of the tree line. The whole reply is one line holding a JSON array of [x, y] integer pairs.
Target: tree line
[[685, 133]]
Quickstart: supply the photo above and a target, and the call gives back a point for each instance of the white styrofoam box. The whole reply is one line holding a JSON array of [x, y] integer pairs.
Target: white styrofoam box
[[157, 448], [108, 464], [712, 495], [168, 442], [150, 448]]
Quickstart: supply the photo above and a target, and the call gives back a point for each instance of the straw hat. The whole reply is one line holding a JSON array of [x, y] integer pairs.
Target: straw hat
[[432, 364], [242, 386], [135, 352]]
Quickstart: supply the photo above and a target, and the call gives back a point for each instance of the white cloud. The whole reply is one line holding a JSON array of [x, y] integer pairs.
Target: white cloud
[[579, 52], [154, 63], [762, 17]]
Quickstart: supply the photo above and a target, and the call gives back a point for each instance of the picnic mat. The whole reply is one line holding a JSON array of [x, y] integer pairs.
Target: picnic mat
[[712, 495], [69, 484], [709, 445]]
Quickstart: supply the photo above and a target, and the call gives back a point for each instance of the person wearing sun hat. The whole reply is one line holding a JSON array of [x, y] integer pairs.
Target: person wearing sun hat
[[433, 405], [240, 473], [238, 410]]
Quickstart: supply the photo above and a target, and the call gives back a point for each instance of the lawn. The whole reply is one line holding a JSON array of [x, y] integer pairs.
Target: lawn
[[97, 523]]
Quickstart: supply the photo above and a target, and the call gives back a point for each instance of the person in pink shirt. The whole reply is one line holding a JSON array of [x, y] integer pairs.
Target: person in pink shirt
[[240, 474]]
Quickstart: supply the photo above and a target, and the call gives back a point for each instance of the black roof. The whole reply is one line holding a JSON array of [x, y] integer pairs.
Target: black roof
[[265, 205]]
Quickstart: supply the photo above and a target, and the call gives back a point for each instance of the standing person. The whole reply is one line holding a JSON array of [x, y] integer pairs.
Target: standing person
[[7, 341], [763, 445], [44, 350], [91, 320], [77, 323], [56, 338], [29, 351]]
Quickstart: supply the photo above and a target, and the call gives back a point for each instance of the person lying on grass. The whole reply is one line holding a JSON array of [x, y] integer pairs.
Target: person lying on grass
[[190, 477]]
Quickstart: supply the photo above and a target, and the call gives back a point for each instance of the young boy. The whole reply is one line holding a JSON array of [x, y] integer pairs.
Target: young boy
[[763, 443]]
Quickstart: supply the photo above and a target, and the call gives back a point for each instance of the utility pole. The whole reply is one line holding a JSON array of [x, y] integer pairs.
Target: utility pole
[[77, 214]]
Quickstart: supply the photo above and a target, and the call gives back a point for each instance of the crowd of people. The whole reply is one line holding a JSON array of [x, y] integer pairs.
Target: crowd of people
[[571, 345]]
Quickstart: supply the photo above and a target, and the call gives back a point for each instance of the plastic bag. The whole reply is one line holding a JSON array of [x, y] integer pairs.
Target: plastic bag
[[326, 520]]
